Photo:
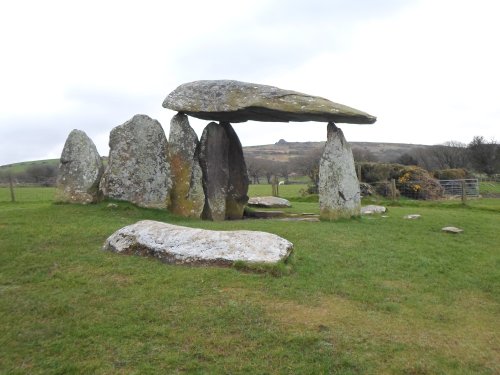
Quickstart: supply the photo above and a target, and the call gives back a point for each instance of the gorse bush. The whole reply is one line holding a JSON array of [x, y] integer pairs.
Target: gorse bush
[[377, 172], [415, 182], [452, 174]]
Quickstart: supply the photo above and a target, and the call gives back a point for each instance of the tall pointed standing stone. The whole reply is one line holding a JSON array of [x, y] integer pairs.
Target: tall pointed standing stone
[[80, 170], [214, 148], [225, 179], [138, 170], [186, 196], [339, 195], [238, 182]]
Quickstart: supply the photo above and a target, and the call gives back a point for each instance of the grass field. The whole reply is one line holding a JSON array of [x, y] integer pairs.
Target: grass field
[[369, 296], [490, 188]]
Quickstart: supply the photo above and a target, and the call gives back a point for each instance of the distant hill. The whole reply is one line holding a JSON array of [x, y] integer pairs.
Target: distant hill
[[284, 151], [23, 166], [280, 151]]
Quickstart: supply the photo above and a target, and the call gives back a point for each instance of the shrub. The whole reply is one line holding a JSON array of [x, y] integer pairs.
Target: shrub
[[417, 183], [452, 174], [376, 172], [366, 189], [385, 189]]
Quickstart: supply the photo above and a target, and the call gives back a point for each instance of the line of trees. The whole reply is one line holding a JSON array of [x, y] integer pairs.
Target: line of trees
[[38, 174], [480, 155]]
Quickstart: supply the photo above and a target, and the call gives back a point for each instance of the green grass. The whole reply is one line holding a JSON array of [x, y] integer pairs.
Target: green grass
[[489, 188], [367, 296], [285, 191], [28, 194]]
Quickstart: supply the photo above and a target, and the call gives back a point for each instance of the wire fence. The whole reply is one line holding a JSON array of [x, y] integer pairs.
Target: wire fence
[[468, 188], [431, 189], [33, 193]]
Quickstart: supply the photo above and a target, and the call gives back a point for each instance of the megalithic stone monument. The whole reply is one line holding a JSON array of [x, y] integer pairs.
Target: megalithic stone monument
[[229, 101]]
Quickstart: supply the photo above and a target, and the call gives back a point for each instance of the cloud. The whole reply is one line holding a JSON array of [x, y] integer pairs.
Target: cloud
[[427, 69]]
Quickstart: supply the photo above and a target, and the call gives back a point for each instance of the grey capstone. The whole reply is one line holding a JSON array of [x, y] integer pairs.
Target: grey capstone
[[235, 101]]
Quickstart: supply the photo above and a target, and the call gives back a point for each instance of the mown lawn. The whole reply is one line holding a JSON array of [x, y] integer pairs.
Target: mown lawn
[[377, 295]]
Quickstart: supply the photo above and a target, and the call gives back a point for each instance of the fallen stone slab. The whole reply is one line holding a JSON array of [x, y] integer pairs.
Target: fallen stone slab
[[182, 245], [269, 202], [412, 217], [372, 209], [235, 101], [298, 218], [264, 214], [452, 230]]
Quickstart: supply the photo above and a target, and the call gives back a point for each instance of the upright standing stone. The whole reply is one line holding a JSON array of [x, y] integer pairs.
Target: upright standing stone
[[186, 197], [238, 182], [80, 170], [225, 179], [339, 195], [138, 170], [214, 148]]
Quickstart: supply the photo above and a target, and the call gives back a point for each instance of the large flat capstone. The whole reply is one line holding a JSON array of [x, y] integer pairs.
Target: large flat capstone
[[177, 244], [235, 101]]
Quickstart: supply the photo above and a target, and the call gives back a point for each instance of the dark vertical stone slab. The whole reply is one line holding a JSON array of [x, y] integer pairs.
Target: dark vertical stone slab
[[214, 149], [238, 182], [186, 196], [339, 195]]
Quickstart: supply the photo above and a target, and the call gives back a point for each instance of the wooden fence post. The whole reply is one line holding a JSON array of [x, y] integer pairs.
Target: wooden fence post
[[393, 189], [11, 186], [464, 193]]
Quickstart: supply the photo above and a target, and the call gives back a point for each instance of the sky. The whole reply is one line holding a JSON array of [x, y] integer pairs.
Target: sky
[[428, 69]]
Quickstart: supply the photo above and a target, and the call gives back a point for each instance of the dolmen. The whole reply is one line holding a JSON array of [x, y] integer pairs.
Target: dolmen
[[207, 177], [224, 177]]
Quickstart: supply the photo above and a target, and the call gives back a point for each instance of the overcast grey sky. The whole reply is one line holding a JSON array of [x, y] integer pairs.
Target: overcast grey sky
[[428, 69]]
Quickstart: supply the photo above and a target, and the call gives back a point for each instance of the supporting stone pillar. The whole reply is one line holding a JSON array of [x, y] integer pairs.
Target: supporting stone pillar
[[186, 196], [238, 182], [214, 148], [225, 179], [339, 195]]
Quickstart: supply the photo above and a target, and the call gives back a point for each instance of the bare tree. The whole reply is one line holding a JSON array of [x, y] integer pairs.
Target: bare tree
[[485, 156], [254, 169], [363, 155], [308, 165]]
